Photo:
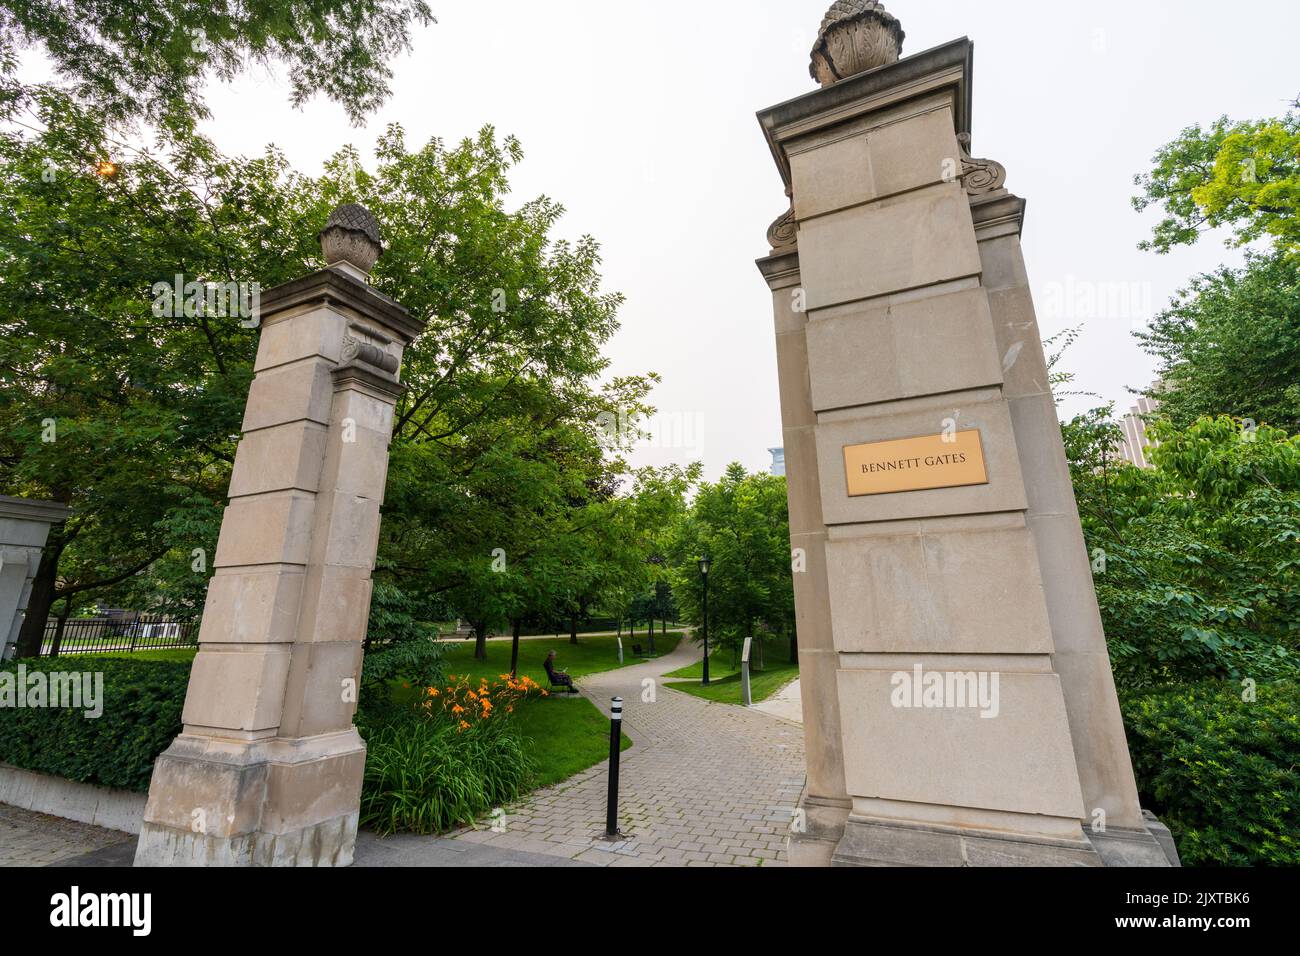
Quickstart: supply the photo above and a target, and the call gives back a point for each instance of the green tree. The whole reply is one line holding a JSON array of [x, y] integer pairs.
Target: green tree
[[150, 58], [1231, 345], [146, 406], [742, 523], [1244, 176], [125, 412], [1197, 560]]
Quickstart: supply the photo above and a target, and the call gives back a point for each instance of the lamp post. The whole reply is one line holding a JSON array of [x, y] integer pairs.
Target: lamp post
[[704, 576]]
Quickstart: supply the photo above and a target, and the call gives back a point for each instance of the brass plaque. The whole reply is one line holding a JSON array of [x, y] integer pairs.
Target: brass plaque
[[915, 464]]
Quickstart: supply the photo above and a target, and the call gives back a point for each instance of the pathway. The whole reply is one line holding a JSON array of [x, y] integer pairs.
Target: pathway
[[787, 703], [38, 839], [705, 784]]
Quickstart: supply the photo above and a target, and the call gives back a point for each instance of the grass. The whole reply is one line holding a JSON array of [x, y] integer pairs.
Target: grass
[[568, 735], [724, 681], [169, 654], [590, 655]]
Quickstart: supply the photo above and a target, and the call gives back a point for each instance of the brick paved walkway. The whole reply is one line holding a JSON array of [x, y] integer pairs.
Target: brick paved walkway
[[37, 839], [705, 784]]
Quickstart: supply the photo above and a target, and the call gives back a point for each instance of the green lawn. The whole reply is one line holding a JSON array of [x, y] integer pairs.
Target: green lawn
[[169, 654], [589, 656], [724, 682], [569, 735]]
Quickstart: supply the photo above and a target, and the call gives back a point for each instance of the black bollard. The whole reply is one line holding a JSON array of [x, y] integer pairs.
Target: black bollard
[[615, 740]]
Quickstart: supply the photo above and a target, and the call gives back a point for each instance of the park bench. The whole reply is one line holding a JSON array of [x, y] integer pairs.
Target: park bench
[[559, 680]]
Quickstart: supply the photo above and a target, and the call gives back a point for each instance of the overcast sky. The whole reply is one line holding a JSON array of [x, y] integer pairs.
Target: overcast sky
[[639, 118]]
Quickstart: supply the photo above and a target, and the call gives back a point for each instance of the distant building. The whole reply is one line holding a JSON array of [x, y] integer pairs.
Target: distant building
[[1135, 444], [778, 461]]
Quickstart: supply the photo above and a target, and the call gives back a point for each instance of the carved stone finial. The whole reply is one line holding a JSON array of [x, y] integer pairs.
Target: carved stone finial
[[351, 238], [979, 176], [855, 36]]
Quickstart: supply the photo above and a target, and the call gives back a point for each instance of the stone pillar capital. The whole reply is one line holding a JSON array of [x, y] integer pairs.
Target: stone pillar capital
[[336, 289], [886, 94]]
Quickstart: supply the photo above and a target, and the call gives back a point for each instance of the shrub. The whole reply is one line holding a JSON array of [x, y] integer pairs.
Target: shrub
[[426, 775], [398, 617], [1196, 560], [141, 714], [418, 663], [1221, 772]]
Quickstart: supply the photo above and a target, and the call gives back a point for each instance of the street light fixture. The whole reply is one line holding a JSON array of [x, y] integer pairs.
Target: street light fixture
[[704, 576]]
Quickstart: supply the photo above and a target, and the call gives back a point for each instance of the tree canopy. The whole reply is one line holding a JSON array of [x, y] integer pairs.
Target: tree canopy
[[1244, 176], [149, 59], [1196, 560], [741, 522], [1230, 344], [497, 444]]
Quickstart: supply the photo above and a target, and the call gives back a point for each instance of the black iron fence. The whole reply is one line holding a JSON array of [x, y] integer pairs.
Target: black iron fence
[[104, 635]]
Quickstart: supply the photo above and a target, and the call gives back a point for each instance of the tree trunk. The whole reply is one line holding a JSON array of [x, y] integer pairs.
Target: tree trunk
[[794, 648], [480, 640], [43, 596], [514, 647], [652, 637], [57, 644], [573, 629]]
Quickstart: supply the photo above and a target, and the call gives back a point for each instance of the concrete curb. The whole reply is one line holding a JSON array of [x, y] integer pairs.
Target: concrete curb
[[82, 802]]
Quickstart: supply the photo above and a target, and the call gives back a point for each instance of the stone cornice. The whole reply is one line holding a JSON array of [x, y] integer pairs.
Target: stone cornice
[[946, 67], [357, 375], [333, 286], [31, 509], [997, 214], [781, 265]]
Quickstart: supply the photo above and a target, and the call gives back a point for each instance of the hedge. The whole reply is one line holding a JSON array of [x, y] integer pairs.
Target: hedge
[[1221, 772], [141, 715]]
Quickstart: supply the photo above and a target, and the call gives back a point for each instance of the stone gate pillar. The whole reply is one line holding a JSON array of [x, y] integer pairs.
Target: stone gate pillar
[[958, 701], [268, 767], [24, 527]]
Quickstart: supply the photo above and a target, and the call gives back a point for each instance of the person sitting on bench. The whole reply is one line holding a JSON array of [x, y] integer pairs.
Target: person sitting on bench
[[558, 678]]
